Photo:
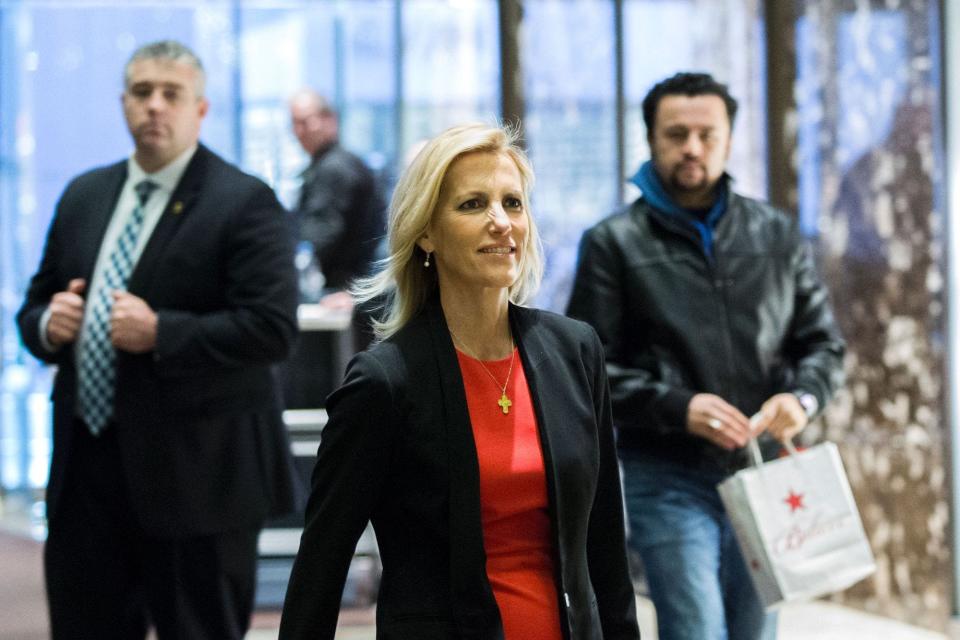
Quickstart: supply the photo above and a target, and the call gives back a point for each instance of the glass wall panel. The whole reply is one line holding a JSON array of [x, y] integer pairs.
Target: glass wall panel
[[570, 126], [451, 65], [345, 51]]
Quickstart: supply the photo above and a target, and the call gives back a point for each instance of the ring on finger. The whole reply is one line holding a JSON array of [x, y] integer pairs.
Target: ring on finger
[[714, 423]]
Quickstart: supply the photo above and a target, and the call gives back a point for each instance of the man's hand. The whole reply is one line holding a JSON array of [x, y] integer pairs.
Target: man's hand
[[66, 313], [339, 300], [783, 416], [133, 324], [711, 417]]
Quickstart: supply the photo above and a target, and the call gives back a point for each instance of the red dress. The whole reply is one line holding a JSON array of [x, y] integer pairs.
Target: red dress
[[513, 500]]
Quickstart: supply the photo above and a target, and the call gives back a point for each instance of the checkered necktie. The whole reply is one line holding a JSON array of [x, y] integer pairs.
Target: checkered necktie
[[97, 374]]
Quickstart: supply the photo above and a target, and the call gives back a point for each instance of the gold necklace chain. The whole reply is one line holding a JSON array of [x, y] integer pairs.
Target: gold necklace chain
[[504, 402]]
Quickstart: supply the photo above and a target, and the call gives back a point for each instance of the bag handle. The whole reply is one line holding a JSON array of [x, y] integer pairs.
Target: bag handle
[[755, 447], [755, 452]]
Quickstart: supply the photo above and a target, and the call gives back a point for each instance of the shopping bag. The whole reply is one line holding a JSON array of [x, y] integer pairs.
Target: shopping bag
[[797, 524]]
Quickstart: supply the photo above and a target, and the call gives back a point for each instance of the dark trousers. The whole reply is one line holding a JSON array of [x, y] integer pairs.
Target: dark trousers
[[107, 578]]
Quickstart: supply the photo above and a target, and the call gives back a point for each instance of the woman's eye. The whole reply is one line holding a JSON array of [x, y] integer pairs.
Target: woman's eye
[[473, 203], [513, 203]]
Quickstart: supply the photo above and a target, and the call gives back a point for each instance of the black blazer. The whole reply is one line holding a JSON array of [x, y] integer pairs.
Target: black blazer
[[398, 450], [198, 419]]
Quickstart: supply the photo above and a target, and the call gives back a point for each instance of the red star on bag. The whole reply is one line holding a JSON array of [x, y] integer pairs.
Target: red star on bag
[[795, 500]]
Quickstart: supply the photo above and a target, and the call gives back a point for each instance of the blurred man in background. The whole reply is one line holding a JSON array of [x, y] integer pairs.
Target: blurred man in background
[[340, 210]]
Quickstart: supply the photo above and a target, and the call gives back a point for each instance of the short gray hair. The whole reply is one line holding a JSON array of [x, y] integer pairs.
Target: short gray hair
[[169, 50]]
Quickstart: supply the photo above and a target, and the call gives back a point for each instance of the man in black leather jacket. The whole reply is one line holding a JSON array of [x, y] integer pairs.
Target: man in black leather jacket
[[716, 329], [340, 211]]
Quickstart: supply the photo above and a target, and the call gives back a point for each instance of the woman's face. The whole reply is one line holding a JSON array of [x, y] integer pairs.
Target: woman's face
[[479, 229]]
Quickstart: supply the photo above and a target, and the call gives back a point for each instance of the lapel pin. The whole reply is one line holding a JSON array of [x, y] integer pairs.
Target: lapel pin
[[177, 208]]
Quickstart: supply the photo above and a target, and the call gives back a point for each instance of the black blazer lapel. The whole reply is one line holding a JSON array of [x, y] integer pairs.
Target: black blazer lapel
[[100, 210], [541, 380], [543, 383], [562, 395], [180, 204], [474, 605]]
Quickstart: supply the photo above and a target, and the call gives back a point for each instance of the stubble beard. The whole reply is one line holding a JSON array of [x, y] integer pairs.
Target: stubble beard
[[678, 185]]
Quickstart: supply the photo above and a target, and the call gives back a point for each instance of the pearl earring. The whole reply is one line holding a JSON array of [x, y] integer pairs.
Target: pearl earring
[[426, 263]]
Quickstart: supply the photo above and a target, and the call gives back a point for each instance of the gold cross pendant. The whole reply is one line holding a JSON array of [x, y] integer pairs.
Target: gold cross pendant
[[505, 403]]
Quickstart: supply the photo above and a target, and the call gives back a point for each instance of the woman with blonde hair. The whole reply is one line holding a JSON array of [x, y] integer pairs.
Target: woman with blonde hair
[[476, 435]]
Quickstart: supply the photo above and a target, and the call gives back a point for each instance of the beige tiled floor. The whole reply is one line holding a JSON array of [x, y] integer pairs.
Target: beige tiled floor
[[825, 621], [807, 621]]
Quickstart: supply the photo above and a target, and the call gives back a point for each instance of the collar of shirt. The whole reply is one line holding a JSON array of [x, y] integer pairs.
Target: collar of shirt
[[167, 178]]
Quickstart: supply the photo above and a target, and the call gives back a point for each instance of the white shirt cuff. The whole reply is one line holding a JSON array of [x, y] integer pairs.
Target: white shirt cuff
[[44, 342]]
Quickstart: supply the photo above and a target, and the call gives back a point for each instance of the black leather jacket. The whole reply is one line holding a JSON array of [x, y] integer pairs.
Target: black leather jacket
[[341, 212], [753, 322]]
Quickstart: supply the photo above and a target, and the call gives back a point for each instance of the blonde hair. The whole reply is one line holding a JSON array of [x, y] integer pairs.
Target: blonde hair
[[403, 284]]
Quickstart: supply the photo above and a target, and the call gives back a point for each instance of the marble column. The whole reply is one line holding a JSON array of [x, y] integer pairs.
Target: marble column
[[870, 168]]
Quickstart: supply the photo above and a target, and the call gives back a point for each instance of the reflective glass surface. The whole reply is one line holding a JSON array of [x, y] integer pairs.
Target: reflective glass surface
[[570, 127], [398, 72], [451, 65], [345, 51]]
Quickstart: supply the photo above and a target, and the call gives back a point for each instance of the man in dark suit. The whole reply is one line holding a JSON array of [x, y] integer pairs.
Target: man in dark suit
[[165, 294]]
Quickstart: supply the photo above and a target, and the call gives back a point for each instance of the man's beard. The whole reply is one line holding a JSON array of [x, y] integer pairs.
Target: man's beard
[[678, 186]]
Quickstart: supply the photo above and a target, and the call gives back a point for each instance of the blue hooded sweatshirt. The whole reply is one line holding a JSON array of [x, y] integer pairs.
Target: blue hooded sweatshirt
[[702, 222]]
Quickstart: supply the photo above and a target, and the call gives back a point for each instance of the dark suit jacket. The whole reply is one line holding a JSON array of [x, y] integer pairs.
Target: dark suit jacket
[[198, 419], [398, 450]]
